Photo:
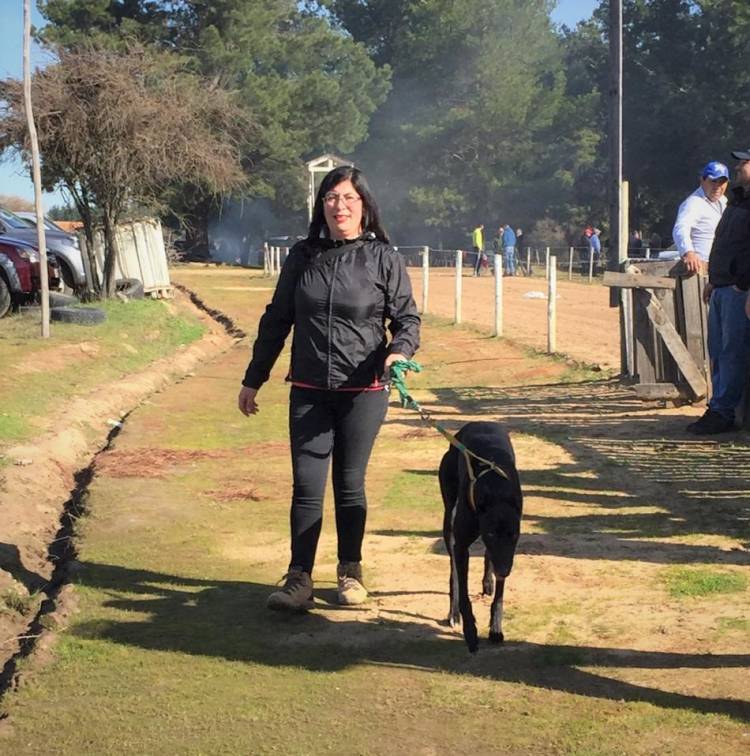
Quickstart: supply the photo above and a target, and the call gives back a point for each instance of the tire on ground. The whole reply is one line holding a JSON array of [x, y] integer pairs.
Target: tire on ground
[[5, 298], [132, 288], [61, 300], [78, 315]]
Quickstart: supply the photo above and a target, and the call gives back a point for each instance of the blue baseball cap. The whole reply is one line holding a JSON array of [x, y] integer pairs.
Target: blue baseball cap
[[715, 170]]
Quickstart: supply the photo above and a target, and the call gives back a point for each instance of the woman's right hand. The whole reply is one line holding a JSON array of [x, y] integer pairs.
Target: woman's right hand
[[246, 401]]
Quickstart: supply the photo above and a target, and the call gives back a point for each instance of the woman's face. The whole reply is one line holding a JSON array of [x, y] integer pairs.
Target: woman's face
[[342, 207]]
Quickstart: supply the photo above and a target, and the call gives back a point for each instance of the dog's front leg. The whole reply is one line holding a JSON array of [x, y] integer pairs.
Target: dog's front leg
[[488, 580], [461, 557], [496, 613], [449, 538]]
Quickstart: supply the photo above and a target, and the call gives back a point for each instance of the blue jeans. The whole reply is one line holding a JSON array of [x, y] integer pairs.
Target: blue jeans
[[509, 260], [728, 348]]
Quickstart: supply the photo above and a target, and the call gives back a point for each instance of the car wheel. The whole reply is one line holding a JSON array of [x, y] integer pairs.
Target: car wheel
[[67, 284], [5, 298], [78, 315]]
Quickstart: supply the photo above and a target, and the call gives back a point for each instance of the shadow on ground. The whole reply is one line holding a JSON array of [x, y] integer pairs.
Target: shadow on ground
[[228, 619], [640, 457]]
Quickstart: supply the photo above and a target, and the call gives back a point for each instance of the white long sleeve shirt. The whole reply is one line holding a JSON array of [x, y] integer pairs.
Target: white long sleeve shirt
[[696, 223]]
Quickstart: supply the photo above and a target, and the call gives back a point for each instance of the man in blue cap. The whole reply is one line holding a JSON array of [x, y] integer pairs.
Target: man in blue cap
[[728, 324], [698, 216]]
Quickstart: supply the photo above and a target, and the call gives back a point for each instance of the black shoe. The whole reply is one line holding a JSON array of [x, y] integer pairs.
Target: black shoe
[[712, 422]]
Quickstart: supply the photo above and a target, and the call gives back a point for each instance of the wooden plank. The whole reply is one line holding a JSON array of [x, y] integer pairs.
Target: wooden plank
[[692, 304], [644, 338], [677, 349], [668, 370], [661, 391], [638, 281]]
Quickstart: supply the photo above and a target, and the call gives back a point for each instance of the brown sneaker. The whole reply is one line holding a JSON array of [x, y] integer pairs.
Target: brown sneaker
[[296, 595], [351, 590]]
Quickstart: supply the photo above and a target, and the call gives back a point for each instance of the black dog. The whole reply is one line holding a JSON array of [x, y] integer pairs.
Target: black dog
[[492, 509]]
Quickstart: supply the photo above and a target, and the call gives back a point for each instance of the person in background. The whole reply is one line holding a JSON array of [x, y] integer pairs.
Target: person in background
[[635, 244], [497, 241], [477, 240], [595, 246], [698, 216], [728, 324], [343, 289], [509, 250]]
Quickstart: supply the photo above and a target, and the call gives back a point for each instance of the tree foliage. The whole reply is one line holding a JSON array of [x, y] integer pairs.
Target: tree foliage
[[118, 127], [467, 133], [308, 87], [685, 91]]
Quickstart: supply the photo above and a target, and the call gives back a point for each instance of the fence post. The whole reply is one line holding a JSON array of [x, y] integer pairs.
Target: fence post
[[528, 261], [457, 304], [591, 264], [425, 277], [570, 264], [266, 260], [648, 253], [546, 263], [552, 306], [278, 261], [498, 294]]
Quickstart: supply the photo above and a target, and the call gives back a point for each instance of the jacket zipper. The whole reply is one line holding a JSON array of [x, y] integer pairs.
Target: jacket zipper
[[330, 318]]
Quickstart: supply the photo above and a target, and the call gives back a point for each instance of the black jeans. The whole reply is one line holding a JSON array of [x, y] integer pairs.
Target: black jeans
[[341, 425]]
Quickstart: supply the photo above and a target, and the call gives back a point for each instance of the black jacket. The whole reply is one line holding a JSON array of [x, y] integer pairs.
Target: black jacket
[[338, 298], [729, 261]]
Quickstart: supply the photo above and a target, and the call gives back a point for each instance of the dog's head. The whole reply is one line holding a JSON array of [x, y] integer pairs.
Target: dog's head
[[499, 514]]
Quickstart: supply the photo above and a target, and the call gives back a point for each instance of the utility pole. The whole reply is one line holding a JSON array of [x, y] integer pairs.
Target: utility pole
[[36, 170], [615, 256]]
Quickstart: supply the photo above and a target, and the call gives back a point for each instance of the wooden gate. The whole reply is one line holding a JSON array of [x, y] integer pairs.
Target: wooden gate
[[665, 334]]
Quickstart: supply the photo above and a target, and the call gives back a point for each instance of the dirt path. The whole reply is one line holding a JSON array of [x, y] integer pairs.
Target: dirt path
[[587, 327], [627, 613]]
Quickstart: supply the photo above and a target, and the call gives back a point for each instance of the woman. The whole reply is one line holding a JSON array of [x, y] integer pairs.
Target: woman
[[337, 287]]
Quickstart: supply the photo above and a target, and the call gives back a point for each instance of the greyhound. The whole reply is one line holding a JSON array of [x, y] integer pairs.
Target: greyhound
[[485, 501]]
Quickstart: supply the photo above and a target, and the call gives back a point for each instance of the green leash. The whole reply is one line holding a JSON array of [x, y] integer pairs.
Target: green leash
[[398, 370]]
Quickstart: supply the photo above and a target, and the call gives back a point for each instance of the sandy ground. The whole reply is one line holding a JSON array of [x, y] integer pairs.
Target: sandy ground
[[587, 327], [616, 493]]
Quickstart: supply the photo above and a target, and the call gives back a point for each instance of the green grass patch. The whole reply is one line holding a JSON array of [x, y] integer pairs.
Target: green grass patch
[[414, 489], [38, 374], [685, 582]]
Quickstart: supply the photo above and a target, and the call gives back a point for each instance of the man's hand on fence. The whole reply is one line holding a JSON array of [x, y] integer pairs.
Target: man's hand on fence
[[692, 261]]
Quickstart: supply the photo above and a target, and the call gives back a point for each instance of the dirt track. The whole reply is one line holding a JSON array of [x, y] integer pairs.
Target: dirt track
[[587, 327], [188, 532]]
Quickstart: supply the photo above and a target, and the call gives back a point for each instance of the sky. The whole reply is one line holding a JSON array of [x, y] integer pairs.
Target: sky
[[13, 176]]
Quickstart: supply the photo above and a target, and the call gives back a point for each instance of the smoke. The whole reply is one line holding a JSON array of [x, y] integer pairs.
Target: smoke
[[237, 233]]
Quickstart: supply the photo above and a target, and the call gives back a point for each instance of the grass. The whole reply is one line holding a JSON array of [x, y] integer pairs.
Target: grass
[[696, 582], [42, 374]]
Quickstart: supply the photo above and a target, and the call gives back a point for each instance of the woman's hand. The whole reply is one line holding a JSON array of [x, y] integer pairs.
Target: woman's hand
[[246, 401], [395, 357]]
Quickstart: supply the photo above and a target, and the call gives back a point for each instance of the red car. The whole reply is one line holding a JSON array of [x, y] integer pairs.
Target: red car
[[20, 279]]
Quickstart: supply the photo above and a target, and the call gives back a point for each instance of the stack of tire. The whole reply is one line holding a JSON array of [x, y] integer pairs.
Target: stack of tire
[[64, 309]]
